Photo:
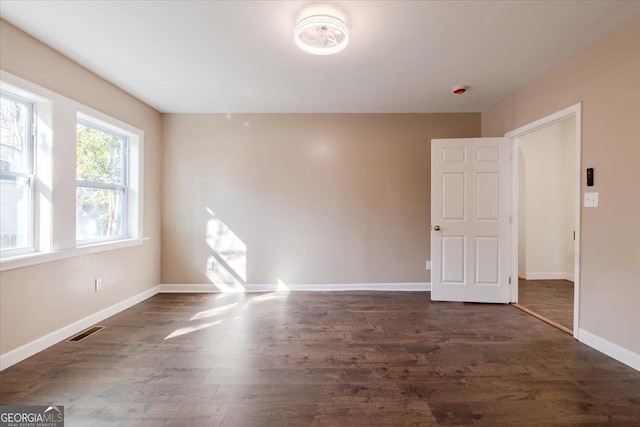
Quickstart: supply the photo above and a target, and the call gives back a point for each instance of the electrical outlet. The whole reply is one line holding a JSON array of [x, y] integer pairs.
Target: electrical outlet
[[428, 265], [99, 284], [590, 200]]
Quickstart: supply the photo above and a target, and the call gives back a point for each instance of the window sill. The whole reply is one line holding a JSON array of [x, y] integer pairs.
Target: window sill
[[44, 257]]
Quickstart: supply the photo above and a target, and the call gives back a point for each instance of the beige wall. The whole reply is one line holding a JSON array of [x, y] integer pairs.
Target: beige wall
[[605, 79], [307, 199], [37, 300], [328, 198], [547, 202]]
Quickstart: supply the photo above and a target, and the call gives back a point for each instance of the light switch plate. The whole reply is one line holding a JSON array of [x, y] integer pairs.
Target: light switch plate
[[590, 200], [428, 265]]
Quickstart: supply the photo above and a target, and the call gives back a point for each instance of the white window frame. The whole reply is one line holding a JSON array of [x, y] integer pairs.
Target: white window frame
[[29, 175], [123, 187], [132, 218], [55, 182], [41, 160]]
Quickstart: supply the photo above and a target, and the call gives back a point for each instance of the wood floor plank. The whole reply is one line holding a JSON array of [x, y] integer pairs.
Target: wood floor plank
[[339, 359], [552, 299]]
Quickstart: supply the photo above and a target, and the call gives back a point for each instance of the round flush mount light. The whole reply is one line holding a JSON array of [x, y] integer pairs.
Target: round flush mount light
[[321, 35]]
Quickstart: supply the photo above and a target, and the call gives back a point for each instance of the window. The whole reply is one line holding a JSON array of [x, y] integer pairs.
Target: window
[[101, 183], [17, 179], [103, 169]]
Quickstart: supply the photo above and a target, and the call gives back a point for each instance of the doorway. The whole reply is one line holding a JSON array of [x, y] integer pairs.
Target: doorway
[[546, 218]]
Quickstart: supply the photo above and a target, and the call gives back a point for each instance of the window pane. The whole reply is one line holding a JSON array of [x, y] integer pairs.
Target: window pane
[[15, 141], [99, 156], [98, 213], [15, 212]]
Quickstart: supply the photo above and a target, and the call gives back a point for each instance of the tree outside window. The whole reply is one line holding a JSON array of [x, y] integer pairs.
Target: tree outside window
[[101, 173]]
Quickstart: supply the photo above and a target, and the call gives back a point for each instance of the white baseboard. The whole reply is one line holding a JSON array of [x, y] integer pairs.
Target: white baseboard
[[619, 353], [188, 289], [549, 276], [393, 287], [400, 287], [19, 354]]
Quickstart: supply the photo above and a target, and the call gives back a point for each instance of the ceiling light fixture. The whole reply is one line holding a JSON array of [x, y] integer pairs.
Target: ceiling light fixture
[[321, 35]]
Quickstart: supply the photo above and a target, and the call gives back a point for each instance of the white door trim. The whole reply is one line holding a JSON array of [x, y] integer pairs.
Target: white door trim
[[575, 111]]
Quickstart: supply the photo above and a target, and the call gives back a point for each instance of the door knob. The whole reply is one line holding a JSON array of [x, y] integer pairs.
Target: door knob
[[436, 227]]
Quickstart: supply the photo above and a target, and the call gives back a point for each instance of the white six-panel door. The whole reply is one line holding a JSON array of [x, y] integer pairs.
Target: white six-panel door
[[470, 219]]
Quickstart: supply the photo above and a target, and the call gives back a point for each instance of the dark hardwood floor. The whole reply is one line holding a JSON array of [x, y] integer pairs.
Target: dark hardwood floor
[[552, 299], [339, 359]]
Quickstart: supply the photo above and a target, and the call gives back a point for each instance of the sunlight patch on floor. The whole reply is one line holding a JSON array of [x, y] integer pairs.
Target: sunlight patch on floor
[[213, 312], [189, 329]]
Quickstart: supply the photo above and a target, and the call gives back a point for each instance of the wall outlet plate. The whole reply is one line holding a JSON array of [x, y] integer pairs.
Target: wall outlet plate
[[590, 200], [428, 265], [99, 284]]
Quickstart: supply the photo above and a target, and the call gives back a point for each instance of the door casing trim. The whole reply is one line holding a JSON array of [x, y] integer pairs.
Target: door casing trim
[[572, 111]]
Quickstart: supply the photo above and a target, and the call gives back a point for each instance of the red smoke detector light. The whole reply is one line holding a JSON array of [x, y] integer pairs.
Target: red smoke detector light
[[459, 90]]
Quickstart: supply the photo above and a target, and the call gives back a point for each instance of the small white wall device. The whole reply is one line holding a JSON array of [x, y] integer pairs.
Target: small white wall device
[[459, 90]]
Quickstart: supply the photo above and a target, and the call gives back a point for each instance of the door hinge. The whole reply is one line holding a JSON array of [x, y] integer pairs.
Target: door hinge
[[510, 219], [33, 129], [509, 280]]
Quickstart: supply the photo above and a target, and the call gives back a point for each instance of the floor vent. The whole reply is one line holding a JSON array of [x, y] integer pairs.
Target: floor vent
[[84, 334]]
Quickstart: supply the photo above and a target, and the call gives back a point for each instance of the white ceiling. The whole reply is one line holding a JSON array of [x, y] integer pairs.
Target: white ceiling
[[240, 57]]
